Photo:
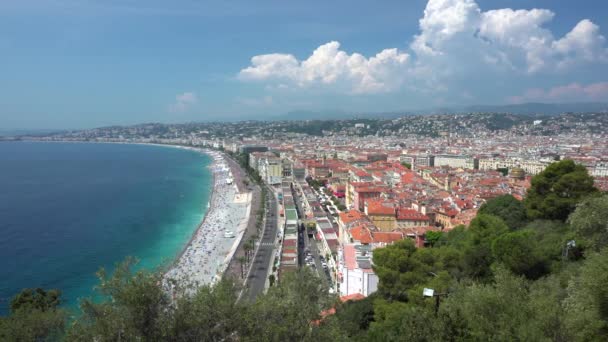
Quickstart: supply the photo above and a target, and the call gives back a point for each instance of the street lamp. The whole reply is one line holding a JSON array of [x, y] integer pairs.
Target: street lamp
[[570, 244], [426, 292]]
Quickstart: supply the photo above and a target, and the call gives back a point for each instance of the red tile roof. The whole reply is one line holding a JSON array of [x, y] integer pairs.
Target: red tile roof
[[411, 214]]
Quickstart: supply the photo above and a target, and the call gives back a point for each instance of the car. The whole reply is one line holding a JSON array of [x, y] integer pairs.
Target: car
[[324, 264]]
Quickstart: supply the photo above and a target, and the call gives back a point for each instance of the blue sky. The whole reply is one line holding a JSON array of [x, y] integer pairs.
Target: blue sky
[[87, 63]]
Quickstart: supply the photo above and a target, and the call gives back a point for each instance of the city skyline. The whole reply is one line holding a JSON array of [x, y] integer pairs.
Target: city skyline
[[88, 64]]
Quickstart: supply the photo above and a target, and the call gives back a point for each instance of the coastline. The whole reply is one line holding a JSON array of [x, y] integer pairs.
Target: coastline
[[206, 256], [205, 271]]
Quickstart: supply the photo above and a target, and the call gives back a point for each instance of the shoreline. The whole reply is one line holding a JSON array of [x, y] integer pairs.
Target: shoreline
[[206, 256], [217, 204]]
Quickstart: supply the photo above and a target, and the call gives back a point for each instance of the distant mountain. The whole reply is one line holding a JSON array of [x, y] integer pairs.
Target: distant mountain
[[531, 108], [16, 132], [337, 114]]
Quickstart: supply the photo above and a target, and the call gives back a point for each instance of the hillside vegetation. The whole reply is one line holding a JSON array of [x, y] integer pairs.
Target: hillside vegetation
[[522, 271]]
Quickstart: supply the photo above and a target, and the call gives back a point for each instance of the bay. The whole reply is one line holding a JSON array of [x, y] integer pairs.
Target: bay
[[67, 209]]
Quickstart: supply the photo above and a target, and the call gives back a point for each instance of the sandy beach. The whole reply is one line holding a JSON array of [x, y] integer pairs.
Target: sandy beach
[[210, 249]]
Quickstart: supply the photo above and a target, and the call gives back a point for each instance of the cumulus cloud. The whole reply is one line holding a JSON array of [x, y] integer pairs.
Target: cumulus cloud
[[183, 102], [564, 93], [328, 65], [456, 39]]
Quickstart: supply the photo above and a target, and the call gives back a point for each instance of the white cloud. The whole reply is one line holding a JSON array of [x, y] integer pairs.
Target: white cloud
[[456, 39], [328, 65], [183, 102], [565, 93]]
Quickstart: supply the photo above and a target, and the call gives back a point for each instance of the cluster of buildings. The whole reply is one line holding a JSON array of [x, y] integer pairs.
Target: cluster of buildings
[[416, 175], [355, 206], [366, 193]]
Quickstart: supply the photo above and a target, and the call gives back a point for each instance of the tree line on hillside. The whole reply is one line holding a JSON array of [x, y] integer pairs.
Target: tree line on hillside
[[534, 270]]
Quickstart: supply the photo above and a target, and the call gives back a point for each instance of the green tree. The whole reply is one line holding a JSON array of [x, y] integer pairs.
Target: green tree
[[288, 310], [134, 308], [34, 316], [590, 221], [242, 260], [509, 209], [36, 299], [518, 252], [478, 255], [432, 237], [212, 314], [555, 192], [355, 317], [497, 311], [586, 306]]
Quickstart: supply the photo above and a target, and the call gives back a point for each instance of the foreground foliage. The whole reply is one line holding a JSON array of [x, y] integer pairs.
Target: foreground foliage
[[513, 275]]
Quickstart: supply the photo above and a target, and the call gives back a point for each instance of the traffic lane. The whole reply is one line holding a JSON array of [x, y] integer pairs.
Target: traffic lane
[[312, 247], [257, 278]]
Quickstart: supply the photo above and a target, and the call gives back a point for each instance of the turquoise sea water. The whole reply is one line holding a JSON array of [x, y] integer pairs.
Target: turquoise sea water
[[67, 209]]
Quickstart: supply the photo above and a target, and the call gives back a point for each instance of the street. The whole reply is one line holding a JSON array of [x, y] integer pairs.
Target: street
[[265, 253]]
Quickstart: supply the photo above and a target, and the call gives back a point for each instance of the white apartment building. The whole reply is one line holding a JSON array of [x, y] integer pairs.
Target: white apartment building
[[532, 167], [355, 273], [455, 161]]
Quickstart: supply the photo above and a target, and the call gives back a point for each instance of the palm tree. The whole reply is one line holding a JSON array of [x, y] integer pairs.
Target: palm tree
[[242, 261], [248, 248]]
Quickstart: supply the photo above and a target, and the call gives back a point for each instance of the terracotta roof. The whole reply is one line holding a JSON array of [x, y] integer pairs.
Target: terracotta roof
[[411, 214], [361, 234], [379, 208], [387, 237], [354, 297], [351, 216]]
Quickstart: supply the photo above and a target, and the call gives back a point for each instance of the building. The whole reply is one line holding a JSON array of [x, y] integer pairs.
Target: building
[[298, 170], [272, 170], [456, 161], [411, 218], [246, 149], [418, 160], [355, 273], [381, 214], [531, 167]]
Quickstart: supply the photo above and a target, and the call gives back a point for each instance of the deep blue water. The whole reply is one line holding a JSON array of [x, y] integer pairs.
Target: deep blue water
[[67, 209]]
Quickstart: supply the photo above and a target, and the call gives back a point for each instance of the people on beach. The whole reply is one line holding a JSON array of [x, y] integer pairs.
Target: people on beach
[[209, 250]]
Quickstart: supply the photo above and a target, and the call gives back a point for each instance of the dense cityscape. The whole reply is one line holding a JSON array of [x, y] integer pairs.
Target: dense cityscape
[[371, 182], [236, 171]]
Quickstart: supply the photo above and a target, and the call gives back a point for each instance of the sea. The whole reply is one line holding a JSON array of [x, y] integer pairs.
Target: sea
[[68, 209]]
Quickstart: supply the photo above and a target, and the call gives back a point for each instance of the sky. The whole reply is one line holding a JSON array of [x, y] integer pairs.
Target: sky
[[88, 63]]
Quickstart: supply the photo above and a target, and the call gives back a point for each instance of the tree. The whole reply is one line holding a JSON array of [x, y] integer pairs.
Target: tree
[[497, 311], [404, 270], [242, 260], [355, 317], [34, 316], [248, 247], [478, 246], [286, 312], [590, 221], [432, 237], [586, 306], [509, 209], [408, 165], [36, 299], [135, 308], [555, 192], [518, 252]]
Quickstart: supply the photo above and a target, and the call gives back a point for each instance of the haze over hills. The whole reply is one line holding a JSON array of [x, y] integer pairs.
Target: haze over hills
[[530, 108]]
